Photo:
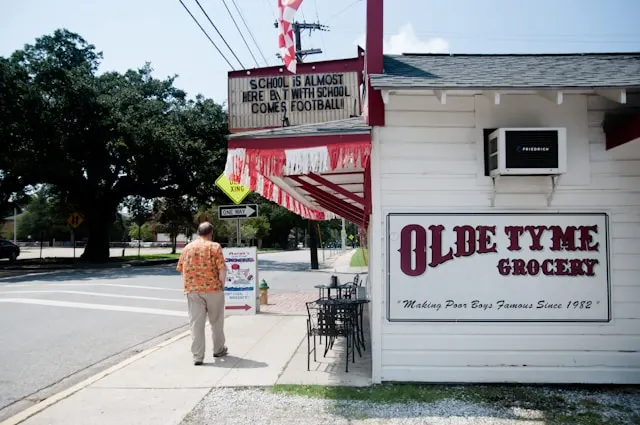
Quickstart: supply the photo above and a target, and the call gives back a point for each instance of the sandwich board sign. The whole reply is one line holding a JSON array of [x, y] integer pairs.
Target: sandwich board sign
[[240, 287]]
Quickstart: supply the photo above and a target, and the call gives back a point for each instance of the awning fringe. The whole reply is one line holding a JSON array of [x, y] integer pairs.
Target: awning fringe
[[253, 167]]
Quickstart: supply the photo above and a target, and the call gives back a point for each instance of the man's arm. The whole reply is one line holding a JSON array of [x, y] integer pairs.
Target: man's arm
[[220, 264], [222, 273], [180, 265]]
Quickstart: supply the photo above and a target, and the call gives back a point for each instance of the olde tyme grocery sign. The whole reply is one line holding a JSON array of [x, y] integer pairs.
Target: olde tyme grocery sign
[[498, 267], [263, 101]]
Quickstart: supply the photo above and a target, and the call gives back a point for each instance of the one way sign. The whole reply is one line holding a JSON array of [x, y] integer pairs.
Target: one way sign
[[237, 211]]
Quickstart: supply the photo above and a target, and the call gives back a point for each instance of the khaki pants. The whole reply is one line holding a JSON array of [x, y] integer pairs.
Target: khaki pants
[[200, 306]]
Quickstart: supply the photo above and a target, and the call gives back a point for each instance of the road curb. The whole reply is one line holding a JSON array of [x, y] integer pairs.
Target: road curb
[[50, 401], [16, 271]]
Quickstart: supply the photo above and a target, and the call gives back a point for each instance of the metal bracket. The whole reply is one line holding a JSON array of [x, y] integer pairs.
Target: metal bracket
[[554, 185], [493, 193]]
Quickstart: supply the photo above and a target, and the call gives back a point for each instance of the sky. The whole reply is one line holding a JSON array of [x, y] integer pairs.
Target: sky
[[132, 32]]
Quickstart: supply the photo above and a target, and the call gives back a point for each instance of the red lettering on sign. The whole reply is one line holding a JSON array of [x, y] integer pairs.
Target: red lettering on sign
[[586, 239], [484, 239], [465, 241], [415, 240], [407, 250], [514, 232], [563, 239], [548, 267], [536, 236], [437, 257], [518, 267]]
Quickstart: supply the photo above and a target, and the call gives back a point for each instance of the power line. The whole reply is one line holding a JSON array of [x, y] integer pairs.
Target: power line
[[250, 32], [240, 32], [207, 35], [216, 28], [315, 3], [270, 6], [343, 10]]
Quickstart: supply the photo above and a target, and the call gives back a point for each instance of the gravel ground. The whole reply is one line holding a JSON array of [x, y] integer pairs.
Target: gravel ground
[[263, 407]]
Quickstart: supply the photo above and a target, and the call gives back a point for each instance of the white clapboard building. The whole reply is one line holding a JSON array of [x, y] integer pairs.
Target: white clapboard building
[[500, 200]]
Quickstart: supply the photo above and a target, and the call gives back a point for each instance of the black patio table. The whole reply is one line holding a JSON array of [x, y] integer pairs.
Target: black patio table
[[322, 288]]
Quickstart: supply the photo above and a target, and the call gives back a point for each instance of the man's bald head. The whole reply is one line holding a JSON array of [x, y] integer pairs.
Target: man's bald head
[[205, 229]]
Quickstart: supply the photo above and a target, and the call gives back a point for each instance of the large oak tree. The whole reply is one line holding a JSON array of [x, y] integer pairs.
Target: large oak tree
[[101, 138]]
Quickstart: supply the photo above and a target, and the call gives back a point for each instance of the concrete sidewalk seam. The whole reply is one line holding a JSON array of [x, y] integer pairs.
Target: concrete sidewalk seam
[[239, 359], [50, 401], [290, 359]]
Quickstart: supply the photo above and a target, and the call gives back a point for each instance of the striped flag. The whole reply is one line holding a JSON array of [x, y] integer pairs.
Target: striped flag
[[286, 10]]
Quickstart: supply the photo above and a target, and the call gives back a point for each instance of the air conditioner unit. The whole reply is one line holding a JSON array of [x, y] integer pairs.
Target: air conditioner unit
[[527, 151]]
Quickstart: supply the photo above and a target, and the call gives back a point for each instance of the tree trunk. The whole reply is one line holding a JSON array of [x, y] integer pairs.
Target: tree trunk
[[313, 244], [99, 218], [174, 242]]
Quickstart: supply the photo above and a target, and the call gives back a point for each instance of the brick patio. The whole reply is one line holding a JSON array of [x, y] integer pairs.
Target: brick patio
[[292, 303]]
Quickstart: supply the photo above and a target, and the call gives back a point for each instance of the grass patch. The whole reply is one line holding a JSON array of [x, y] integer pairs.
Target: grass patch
[[552, 405], [360, 258], [374, 394]]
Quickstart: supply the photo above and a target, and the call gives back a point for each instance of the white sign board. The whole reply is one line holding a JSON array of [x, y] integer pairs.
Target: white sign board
[[498, 267], [263, 101], [242, 277]]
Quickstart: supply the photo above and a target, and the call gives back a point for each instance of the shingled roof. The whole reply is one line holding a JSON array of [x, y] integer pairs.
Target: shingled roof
[[355, 125], [516, 71]]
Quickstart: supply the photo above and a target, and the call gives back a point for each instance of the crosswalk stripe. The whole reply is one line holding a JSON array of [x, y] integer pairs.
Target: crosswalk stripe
[[89, 306], [115, 285], [97, 294]]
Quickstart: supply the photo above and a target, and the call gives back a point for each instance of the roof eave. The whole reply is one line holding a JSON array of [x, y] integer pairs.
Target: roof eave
[[241, 136], [414, 87]]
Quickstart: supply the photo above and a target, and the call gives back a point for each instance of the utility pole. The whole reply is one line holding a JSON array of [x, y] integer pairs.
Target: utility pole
[[298, 28]]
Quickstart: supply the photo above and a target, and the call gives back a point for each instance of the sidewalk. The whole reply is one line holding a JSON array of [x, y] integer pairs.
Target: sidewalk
[[161, 385], [341, 263]]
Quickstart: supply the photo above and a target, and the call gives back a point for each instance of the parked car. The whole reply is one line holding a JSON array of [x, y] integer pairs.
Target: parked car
[[9, 250]]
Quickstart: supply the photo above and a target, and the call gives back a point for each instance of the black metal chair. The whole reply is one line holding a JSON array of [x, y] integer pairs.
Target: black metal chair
[[331, 318], [349, 289]]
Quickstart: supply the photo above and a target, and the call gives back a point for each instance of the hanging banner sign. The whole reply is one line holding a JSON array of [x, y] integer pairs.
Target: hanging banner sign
[[242, 277], [498, 267]]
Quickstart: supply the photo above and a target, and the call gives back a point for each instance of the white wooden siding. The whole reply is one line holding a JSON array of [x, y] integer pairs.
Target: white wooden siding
[[433, 162]]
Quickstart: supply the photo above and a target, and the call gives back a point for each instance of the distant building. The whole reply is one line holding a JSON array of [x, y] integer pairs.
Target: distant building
[[6, 225]]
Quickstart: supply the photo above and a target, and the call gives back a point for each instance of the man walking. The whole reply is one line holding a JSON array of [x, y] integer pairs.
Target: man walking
[[204, 272]]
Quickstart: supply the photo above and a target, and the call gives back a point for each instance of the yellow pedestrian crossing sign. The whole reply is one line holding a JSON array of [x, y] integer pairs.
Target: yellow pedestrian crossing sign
[[351, 237], [235, 192], [75, 220]]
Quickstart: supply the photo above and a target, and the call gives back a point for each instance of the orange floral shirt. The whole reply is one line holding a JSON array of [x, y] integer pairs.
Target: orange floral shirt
[[200, 263]]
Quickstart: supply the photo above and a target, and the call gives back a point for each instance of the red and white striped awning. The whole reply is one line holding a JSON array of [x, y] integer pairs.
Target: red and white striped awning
[[254, 168]]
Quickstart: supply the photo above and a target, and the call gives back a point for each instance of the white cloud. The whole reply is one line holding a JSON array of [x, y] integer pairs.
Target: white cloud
[[407, 41]]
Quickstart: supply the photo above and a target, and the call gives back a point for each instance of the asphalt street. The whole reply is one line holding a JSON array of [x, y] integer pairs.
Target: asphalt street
[[75, 323], [289, 271]]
